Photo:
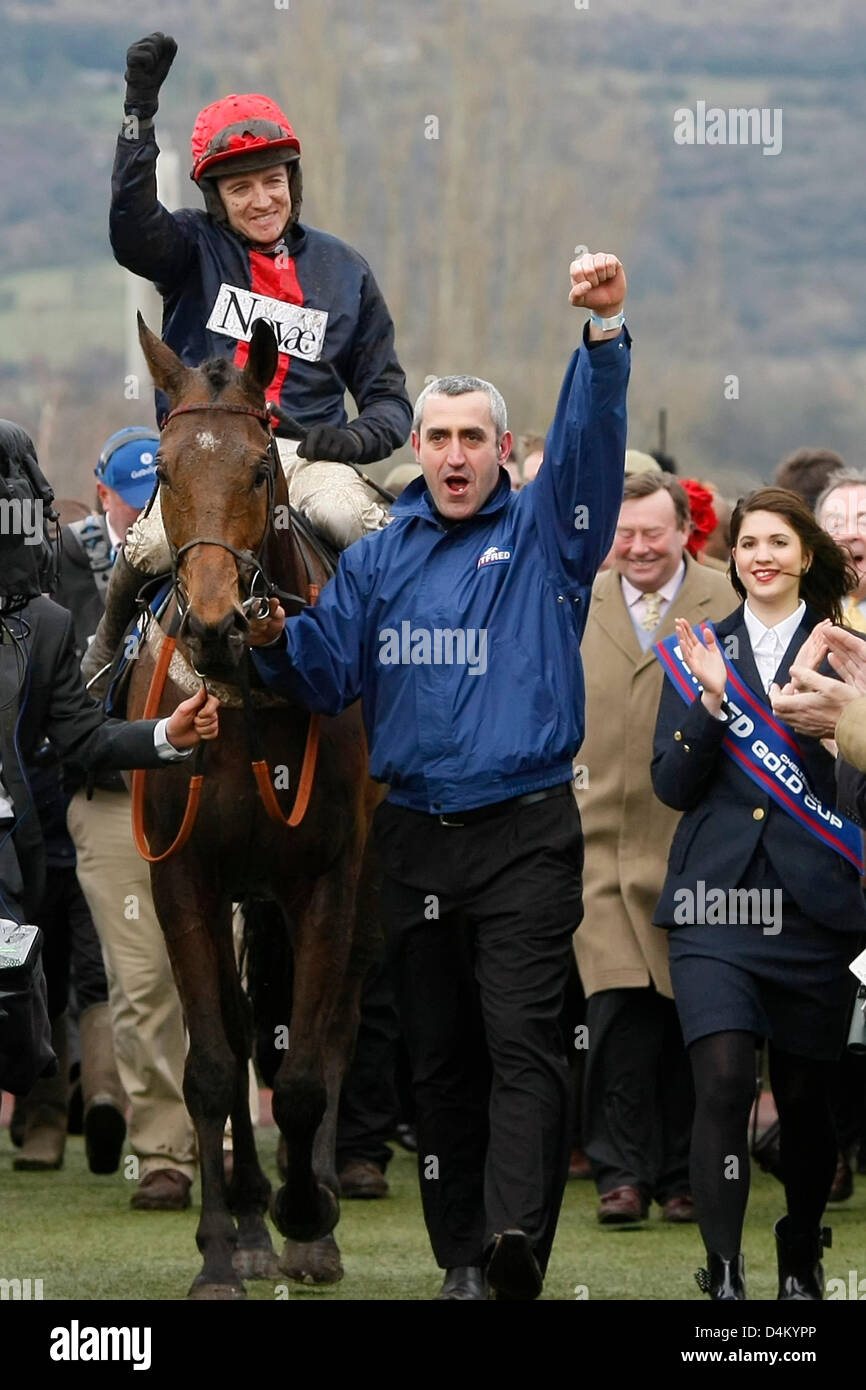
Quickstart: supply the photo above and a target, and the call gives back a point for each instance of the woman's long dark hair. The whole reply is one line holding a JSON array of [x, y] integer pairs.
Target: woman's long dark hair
[[830, 575]]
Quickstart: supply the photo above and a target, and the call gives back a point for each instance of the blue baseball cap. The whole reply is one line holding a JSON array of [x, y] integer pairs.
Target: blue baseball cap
[[128, 464]]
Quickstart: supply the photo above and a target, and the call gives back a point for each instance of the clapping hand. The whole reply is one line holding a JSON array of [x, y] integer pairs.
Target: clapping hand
[[847, 656], [705, 661]]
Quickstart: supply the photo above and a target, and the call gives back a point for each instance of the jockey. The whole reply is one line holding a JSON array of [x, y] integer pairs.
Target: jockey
[[244, 257]]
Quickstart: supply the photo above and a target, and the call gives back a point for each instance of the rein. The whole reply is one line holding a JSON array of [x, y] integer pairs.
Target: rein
[[258, 606]]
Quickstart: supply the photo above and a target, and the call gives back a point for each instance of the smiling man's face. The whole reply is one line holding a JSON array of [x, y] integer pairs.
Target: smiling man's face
[[649, 541], [459, 455], [843, 516], [258, 204]]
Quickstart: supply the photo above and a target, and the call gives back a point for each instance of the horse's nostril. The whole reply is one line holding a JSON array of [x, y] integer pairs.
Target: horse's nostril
[[213, 636]]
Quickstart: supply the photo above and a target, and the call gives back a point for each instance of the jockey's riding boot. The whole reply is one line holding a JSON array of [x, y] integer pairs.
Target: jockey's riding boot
[[801, 1274], [45, 1107], [125, 582], [104, 1097], [723, 1280]]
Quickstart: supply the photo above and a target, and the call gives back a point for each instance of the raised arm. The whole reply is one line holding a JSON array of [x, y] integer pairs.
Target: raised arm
[[145, 237], [577, 495]]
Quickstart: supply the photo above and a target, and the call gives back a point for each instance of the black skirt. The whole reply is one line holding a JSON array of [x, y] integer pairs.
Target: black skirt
[[784, 977]]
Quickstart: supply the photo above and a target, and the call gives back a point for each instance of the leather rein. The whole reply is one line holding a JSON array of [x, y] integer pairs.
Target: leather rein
[[256, 605]]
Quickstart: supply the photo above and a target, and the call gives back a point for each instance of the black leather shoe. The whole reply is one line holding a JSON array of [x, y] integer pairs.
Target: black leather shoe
[[723, 1280], [463, 1282], [801, 1274], [512, 1269]]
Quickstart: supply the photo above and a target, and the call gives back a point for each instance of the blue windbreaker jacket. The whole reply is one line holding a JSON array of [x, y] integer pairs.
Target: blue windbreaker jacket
[[504, 594], [208, 275]]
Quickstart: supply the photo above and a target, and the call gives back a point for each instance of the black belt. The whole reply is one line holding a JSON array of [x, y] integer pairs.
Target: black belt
[[501, 808]]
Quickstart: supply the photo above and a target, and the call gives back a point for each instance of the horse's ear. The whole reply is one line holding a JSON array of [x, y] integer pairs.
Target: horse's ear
[[165, 366], [262, 361]]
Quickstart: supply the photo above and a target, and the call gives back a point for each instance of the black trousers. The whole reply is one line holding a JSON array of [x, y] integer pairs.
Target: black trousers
[[638, 1099], [480, 921], [368, 1100]]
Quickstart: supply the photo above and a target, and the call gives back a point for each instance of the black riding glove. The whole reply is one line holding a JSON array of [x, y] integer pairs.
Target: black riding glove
[[326, 442], [147, 65]]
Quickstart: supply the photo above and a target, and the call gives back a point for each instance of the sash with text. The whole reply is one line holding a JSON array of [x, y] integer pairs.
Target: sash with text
[[764, 748]]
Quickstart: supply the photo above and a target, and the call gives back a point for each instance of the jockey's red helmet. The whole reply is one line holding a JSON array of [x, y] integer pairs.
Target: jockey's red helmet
[[239, 133]]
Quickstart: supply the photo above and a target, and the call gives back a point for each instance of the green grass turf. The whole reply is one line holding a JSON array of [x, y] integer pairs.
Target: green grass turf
[[78, 1234]]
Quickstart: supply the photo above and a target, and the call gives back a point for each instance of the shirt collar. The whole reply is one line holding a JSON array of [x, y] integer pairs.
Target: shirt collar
[[668, 591], [782, 632], [116, 540]]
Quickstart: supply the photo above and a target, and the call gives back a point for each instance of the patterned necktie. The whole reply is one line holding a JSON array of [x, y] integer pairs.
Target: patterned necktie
[[650, 619], [852, 616]]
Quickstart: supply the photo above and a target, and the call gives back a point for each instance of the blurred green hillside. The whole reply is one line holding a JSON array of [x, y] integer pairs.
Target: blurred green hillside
[[555, 127]]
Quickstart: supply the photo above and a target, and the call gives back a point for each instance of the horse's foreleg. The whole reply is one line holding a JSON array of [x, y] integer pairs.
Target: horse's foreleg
[[306, 1207], [249, 1189], [319, 1262], [197, 952]]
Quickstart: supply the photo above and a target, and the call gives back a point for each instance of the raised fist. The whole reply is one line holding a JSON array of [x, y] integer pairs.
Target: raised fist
[[147, 65], [598, 282]]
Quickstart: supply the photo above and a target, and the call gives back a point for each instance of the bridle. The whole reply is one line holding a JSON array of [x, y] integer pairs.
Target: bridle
[[256, 605]]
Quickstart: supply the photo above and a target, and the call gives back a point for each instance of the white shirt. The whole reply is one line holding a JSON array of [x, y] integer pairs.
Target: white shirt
[[769, 644], [635, 602]]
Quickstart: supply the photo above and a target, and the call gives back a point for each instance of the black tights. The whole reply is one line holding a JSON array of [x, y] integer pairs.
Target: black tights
[[723, 1065]]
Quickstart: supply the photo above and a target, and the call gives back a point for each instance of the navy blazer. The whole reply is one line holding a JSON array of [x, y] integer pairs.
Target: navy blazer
[[53, 703], [727, 815]]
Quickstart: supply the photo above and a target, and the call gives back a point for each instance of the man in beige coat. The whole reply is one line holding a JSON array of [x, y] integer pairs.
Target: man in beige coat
[[637, 1090]]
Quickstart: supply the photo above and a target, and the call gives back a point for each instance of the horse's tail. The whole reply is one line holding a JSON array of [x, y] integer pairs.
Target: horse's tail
[[266, 956]]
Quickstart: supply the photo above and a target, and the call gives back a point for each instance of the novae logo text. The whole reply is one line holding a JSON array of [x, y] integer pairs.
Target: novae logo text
[[76, 1343], [300, 332]]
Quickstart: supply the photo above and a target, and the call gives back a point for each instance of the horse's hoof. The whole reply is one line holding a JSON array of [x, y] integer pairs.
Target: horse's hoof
[[202, 1289], [309, 1231], [317, 1262], [256, 1264]]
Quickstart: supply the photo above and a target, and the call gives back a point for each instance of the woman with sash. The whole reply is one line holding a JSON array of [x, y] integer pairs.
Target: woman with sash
[[762, 896]]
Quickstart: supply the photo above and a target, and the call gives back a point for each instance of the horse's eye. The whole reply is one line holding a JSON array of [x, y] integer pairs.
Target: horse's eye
[[162, 476], [261, 478]]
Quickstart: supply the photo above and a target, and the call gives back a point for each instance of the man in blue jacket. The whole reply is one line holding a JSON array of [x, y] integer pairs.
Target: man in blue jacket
[[459, 627]]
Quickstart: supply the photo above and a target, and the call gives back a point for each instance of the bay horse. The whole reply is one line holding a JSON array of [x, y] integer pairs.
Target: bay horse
[[223, 494]]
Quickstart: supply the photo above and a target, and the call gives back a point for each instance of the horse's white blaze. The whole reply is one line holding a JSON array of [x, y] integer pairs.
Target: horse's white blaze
[[205, 440]]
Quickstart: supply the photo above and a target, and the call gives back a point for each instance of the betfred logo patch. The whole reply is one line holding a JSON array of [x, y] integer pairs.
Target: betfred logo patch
[[492, 556], [300, 332]]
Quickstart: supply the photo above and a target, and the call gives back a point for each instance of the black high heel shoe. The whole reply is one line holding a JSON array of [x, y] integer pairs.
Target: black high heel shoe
[[723, 1280]]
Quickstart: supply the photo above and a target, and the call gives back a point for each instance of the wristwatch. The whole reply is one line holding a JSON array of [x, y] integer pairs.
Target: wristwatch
[[606, 324]]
